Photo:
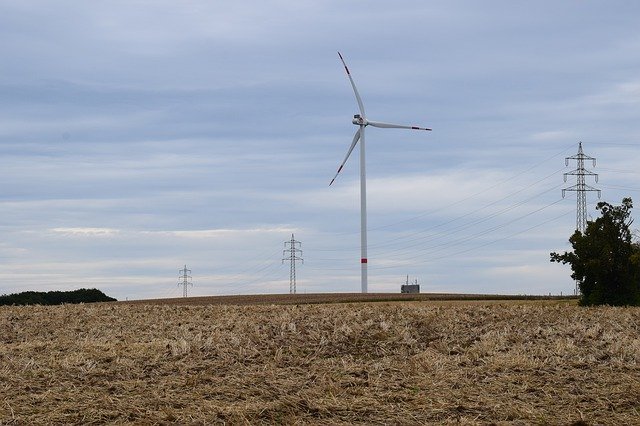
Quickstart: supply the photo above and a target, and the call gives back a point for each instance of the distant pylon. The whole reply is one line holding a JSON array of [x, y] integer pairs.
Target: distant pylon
[[185, 280], [580, 187], [292, 257]]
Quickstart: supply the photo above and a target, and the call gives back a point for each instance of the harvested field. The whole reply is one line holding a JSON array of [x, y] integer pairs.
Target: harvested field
[[293, 299], [394, 363]]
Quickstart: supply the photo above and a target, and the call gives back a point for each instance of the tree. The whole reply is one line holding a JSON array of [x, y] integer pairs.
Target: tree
[[605, 261]]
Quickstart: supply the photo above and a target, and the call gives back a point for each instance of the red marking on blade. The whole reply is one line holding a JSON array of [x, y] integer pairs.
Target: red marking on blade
[[363, 260], [415, 128], [340, 168], [331, 182], [345, 65]]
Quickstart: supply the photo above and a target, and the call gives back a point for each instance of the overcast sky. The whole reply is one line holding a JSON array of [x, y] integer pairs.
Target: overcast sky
[[140, 136]]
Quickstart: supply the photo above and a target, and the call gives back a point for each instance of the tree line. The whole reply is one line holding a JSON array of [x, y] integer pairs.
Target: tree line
[[82, 295]]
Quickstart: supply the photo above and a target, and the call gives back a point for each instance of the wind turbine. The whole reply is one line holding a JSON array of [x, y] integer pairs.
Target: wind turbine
[[362, 122]]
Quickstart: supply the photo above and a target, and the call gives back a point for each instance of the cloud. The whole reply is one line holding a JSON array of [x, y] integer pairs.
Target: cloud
[[224, 233], [85, 232]]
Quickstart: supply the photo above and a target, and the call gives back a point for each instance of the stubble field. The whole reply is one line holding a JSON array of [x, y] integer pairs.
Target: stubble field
[[369, 363]]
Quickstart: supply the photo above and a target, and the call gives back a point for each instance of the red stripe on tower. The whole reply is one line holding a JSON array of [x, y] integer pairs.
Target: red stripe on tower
[[363, 260]]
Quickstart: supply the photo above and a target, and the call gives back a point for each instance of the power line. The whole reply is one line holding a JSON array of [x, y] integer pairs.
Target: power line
[[505, 237], [238, 277], [625, 188], [462, 251], [265, 273], [450, 231], [486, 189], [427, 250]]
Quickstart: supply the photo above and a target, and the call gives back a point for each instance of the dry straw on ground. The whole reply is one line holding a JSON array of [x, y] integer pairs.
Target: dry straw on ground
[[382, 363]]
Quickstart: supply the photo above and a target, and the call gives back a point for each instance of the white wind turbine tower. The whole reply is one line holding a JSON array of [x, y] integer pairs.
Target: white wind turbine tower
[[361, 121]]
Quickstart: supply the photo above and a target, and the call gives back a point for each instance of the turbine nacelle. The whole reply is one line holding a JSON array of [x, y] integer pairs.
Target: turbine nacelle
[[358, 120]]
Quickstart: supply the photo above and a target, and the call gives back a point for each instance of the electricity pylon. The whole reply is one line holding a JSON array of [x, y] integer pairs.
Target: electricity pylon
[[292, 257], [581, 188], [185, 280]]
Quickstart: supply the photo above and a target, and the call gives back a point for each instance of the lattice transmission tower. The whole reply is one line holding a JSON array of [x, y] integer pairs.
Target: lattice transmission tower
[[291, 247], [581, 188], [185, 280]]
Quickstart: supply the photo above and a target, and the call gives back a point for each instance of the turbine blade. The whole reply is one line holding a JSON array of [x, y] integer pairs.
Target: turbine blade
[[355, 90], [394, 126], [356, 138]]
